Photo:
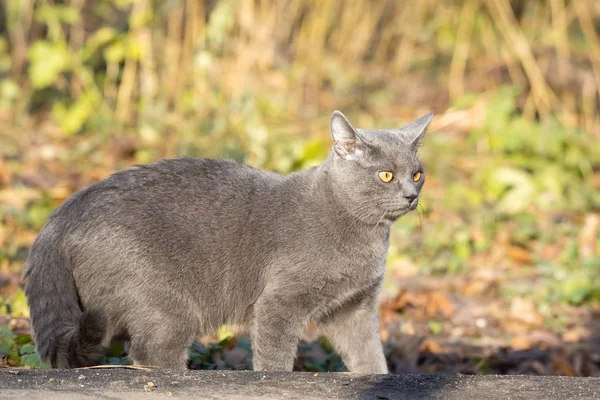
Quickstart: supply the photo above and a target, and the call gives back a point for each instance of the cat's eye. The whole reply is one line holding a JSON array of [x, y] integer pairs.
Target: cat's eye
[[386, 176], [417, 177]]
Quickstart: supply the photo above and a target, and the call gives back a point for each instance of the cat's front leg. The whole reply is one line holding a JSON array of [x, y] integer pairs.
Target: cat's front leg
[[354, 333], [276, 329]]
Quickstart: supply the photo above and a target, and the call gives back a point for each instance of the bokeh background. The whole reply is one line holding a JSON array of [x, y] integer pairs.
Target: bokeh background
[[497, 272]]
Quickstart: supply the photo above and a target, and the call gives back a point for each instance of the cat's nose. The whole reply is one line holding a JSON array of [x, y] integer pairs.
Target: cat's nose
[[410, 198]]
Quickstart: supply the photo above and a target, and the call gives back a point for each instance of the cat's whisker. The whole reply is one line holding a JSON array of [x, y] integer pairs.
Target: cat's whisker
[[364, 209], [392, 203], [381, 218], [420, 221], [361, 217], [419, 206]]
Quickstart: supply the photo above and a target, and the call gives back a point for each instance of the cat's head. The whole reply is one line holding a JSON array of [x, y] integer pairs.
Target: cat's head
[[376, 174]]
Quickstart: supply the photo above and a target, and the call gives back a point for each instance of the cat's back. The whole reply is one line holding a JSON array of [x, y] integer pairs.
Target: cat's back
[[171, 189], [187, 173]]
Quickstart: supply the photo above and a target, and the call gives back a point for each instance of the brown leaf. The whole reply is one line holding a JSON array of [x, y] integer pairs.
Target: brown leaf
[[562, 366], [477, 287], [59, 194], [523, 310], [521, 342], [439, 303], [431, 346], [577, 334], [519, 254], [429, 304], [401, 301]]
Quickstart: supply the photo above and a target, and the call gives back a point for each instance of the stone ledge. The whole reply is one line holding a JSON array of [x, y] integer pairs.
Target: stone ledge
[[118, 383]]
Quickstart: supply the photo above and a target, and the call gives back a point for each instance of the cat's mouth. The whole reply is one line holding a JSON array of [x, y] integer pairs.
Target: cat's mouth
[[396, 210], [397, 213]]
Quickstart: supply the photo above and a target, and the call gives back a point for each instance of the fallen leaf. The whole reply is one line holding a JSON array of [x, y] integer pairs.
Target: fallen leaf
[[562, 366], [576, 334], [521, 343], [523, 310], [519, 254], [431, 346]]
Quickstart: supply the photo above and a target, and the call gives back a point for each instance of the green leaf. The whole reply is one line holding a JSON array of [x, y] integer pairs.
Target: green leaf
[[115, 350], [117, 361], [198, 351], [22, 340], [314, 365], [32, 361], [27, 349], [48, 60], [30, 358], [18, 304], [592, 265], [9, 90], [115, 52], [435, 327], [39, 211], [98, 39], [224, 333], [6, 341], [65, 14], [513, 188], [74, 116], [576, 290]]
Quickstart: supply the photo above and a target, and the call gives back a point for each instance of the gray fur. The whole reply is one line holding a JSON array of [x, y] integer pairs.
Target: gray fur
[[169, 251]]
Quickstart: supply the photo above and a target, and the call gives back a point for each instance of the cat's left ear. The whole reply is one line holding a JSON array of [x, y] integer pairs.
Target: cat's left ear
[[346, 140], [414, 133]]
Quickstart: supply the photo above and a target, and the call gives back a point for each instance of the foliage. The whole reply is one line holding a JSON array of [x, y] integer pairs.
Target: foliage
[[533, 165], [18, 350]]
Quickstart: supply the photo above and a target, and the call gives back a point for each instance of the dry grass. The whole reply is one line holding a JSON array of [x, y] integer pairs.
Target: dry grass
[[180, 49]]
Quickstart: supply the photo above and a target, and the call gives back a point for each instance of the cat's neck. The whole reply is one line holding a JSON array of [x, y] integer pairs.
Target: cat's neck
[[322, 195]]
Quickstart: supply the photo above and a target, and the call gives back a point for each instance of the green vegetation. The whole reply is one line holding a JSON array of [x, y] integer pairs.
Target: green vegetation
[[18, 349], [510, 210]]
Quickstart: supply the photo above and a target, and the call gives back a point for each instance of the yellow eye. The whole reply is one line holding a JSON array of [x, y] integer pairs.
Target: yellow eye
[[417, 177], [386, 176]]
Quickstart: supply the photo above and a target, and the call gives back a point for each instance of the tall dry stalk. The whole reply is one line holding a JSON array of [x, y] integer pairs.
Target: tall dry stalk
[[239, 44]]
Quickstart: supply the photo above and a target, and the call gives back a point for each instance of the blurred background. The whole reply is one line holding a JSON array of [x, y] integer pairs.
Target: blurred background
[[498, 271]]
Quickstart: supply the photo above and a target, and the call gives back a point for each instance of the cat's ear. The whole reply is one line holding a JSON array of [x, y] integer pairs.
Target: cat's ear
[[414, 133], [345, 137]]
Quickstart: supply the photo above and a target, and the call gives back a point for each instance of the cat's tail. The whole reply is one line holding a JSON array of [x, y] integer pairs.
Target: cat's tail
[[66, 336]]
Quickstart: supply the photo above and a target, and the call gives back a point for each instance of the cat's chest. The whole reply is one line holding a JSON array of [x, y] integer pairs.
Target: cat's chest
[[351, 268], [358, 257], [347, 284], [333, 266]]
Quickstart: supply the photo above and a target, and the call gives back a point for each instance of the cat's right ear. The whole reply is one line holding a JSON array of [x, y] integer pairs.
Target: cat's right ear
[[414, 133], [344, 135]]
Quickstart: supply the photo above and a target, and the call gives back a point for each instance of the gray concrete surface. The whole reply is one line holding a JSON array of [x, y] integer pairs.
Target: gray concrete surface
[[161, 384]]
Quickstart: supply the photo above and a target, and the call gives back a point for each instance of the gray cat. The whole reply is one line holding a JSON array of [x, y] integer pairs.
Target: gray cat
[[165, 252]]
